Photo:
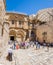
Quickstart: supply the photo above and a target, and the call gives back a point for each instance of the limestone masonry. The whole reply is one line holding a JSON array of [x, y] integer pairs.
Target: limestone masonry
[[22, 27]]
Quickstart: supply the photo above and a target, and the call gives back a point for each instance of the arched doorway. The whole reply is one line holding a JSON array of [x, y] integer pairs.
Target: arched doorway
[[12, 35], [32, 36], [20, 35]]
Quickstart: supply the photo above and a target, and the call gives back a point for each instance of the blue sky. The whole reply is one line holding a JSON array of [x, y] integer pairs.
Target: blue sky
[[28, 6]]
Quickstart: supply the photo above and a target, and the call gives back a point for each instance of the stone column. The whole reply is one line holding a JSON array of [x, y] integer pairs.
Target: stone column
[[2, 15], [29, 34], [5, 34]]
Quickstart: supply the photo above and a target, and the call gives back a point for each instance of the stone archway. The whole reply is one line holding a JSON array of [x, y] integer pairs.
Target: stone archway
[[12, 35], [20, 35]]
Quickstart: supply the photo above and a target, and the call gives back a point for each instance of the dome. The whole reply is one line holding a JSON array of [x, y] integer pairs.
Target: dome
[[45, 14]]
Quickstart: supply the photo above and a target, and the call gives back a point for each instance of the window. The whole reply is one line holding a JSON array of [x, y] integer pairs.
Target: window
[[20, 22], [12, 21]]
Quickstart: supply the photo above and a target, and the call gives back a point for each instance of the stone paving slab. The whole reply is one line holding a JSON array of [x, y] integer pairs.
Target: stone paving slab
[[29, 57]]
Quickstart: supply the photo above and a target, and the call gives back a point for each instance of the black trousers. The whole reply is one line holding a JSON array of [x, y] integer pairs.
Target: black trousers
[[10, 56]]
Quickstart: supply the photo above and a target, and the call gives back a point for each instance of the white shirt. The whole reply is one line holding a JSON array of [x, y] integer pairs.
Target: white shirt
[[10, 50], [36, 43]]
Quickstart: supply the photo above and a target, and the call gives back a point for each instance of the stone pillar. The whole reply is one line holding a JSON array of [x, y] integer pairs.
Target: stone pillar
[[2, 15], [29, 34], [5, 34], [0, 30], [0, 36]]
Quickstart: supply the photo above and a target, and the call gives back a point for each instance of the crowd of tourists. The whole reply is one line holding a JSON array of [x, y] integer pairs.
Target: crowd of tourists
[[25, 45]]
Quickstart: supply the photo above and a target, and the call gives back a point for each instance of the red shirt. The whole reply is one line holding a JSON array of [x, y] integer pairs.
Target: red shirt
[[17, 46]]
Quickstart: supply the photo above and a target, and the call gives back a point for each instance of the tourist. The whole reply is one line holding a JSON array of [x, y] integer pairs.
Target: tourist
[[10, 54], [47, 46], [33, 44], [36, 45], [17, 46], [44, 43], [14, 45], [9, 42], [23, 45], [27, 44]]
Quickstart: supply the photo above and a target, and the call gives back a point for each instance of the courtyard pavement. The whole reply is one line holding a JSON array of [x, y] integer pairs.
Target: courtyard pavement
[[29, 56]]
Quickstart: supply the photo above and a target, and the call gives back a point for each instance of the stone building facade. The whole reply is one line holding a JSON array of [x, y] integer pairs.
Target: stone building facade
[[45, 30], [20, 27]]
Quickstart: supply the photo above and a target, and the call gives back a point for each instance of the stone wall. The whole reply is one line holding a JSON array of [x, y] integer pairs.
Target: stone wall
[[2, 19], [20, 25]]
